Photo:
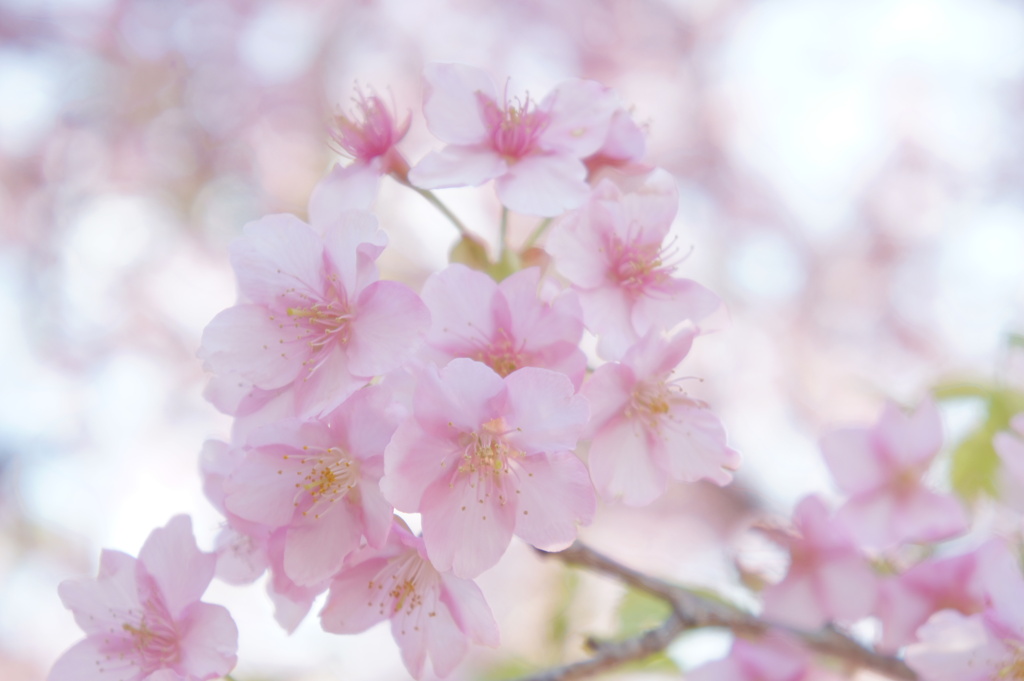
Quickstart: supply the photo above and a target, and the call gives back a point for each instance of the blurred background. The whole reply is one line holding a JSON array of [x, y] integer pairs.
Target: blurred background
[[851, 179]]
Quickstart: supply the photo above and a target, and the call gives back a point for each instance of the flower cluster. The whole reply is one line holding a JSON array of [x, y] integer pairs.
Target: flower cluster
[[472, 406]]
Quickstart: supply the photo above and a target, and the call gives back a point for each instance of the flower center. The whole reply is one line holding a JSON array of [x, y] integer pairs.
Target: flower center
[[401, 585], [487, 451], [501, 355], [370, 131], [152, 637], [514, 127], [649, 403], [1014, 671], [329, 477]]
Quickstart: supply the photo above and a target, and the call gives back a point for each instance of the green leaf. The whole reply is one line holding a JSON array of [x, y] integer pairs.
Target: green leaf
[[640, 611], [975, 463]]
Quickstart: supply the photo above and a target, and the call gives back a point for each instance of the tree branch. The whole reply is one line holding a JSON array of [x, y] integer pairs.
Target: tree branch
[[610, 654], [692, 610]]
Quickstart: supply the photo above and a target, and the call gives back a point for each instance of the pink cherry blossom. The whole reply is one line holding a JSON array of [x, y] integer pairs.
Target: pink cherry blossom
[[613, 251], [506, 326], [143, 618], [881, 468], [369, 136], [433, 614], [983, 646], [645, 430], [313, 318], [319, 479], [533, 150], [828, 578], [907, 600], [624, 146], [485, 457], [371, 133]]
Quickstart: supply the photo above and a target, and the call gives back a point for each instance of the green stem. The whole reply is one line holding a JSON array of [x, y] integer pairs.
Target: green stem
[[429, 196], [503, 235], [537, 233]]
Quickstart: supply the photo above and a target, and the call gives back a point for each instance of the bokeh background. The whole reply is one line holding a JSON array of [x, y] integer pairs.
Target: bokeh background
[[851, 178]]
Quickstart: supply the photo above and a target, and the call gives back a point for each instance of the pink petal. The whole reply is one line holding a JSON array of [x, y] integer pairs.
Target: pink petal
[[248, 341], [577, 249], [346, 188], [851, 458], [315, 549], [846, 587], [928, 516], [462, 395], [182, 572], [331, 384], [543, 409], [654, 357], [413, 460], [608, 390], [457, 166], [581, 115], [445, 642], [554, 497], [953, 647], [389, 320], [376, 513], [352, 243], [675, 301], [460, 301], [451, 106], [96, 602], [911, 438], [694, 445], [351, 605], [544, 185], [794, 602], [621, 464], [625, 141], [262, 489], [88, 661], [209, 641], [466, 527], [469, 609], [277, 253]]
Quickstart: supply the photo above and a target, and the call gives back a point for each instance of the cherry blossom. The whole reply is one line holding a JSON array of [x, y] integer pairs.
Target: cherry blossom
[[907, 600], [143, 618], [613, 251], [881, 468], [828, 578], [313, 317], [645, 430], [484, 457], [533, 150], [433, 614], [318, 479], [982, 646], [506, 326], [369, 136]]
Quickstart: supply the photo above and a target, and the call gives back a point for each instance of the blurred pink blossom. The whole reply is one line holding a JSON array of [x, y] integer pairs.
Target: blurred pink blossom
[[143, 618]]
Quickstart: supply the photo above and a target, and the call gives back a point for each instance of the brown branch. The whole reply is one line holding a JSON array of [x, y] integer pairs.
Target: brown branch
[[692, 610], [610, 654]]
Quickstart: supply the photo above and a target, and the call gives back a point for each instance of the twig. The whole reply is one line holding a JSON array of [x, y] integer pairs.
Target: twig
[[692, 610], [610, 654]]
